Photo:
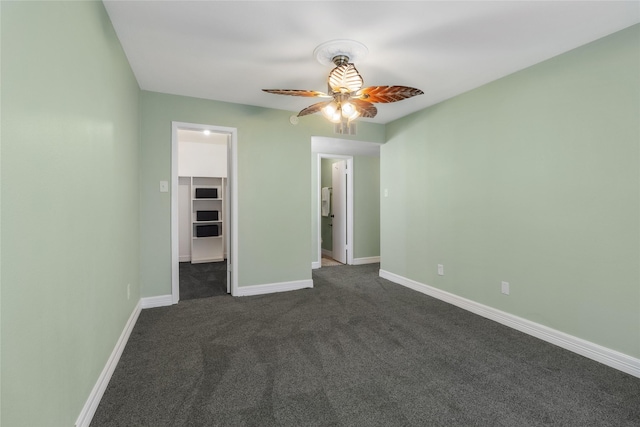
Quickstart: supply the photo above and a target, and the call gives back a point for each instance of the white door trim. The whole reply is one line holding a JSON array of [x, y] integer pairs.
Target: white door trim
[[232, 180], [350, 246]]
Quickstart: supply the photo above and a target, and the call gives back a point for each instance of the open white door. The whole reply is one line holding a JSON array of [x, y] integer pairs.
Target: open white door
[[339, 211]]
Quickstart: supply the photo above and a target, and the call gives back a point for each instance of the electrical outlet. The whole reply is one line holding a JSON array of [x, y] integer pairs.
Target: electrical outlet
[[164, 186], [128, 290], [440, 270], [505, 288]]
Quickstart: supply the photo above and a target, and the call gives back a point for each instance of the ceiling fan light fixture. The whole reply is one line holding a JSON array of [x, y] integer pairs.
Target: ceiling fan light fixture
[[336, 118], [353, 116], [329, 110], [348, 110], [332, 112]]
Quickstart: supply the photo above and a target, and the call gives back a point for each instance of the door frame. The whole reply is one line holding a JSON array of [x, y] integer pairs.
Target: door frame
[[349, 196], [232, 186]]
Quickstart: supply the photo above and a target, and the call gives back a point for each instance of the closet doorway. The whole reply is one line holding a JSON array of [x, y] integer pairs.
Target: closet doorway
[[204, 204]]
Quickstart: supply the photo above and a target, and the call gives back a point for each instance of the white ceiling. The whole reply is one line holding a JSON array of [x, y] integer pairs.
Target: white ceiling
[[230, 50]]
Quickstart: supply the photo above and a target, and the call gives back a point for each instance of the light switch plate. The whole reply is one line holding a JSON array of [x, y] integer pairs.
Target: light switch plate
[[164, 186], [505, 288]]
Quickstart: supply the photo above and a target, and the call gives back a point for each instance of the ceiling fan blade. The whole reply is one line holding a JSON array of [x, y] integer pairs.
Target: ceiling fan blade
[[384, 94], [295, 92], [365, 108], [313, 108], [345, 76]]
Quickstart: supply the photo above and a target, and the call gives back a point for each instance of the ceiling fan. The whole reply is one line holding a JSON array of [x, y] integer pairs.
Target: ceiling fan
[[346, 98]]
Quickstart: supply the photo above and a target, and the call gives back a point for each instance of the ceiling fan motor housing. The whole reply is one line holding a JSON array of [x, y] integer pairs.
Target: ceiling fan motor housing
[[340, 60]]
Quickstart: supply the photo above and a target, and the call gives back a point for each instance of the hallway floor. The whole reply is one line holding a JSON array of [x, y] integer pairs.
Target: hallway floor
[[328, 262]]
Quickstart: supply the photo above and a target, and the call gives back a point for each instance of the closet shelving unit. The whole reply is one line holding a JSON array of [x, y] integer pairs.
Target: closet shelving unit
[[208, 248]]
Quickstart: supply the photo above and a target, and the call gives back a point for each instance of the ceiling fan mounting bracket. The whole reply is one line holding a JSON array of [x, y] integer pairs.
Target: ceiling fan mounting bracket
[[340, 60], [340, 52]]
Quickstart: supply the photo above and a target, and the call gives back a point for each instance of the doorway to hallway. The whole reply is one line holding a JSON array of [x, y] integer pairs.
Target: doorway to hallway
[[362, 176]]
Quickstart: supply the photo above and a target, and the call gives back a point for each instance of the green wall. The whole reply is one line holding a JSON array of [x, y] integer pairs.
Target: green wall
[[532, 179], [366, 206], [274, 182], [69, 186]]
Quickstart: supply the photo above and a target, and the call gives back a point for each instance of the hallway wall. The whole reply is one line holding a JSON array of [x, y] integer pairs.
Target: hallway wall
[[366, 206]]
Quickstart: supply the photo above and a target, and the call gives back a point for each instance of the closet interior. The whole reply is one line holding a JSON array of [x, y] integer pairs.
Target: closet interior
[[202, 176]]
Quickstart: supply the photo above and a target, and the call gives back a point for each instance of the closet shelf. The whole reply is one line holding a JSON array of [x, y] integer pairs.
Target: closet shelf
[[207, 235], [203, 260]]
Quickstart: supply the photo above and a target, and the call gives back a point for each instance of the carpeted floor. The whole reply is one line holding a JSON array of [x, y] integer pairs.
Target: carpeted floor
[[356, 350], [202, 280]]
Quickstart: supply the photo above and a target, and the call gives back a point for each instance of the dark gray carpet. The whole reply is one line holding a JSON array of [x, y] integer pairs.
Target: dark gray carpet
[[356, 350], [202, 280]]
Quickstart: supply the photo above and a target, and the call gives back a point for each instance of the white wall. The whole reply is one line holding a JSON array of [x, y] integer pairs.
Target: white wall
[[202, 155]]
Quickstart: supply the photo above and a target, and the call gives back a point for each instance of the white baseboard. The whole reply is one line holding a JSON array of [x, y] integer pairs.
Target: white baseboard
[[90, 406], [315, 265], [243, 291], [366, 260], [604, 355], [327, 252], [184, 258], [159, 301]]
